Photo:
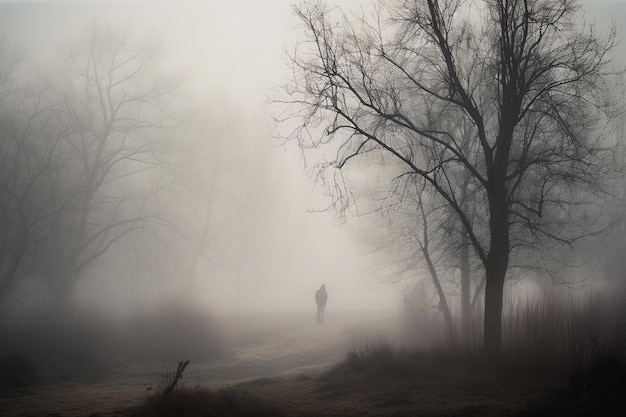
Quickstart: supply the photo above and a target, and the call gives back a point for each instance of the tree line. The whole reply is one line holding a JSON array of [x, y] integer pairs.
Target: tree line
[[103, 151]]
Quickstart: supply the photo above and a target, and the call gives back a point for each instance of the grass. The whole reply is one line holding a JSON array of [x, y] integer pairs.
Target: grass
[[563, 358], [79, 349], [584, 339], [390, 382], [201, 402], [404, 383], [560, 357]]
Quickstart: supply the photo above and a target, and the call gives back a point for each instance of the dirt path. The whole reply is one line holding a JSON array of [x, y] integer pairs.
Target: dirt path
[[294, 346], [256, 346]]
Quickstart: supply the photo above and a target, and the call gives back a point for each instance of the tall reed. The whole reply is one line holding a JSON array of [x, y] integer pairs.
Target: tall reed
[[574, 337]]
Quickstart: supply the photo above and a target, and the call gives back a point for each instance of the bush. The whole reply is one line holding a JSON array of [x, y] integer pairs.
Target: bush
[[16, 371]]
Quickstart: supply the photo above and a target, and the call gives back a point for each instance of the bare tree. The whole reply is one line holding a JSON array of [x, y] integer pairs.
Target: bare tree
[[431, 218], [531, 80], [27, 146], [200, 200], [438, 237], [116, 106]]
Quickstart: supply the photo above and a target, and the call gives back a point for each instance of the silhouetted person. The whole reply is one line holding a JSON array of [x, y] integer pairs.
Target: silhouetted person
[[321, 297]]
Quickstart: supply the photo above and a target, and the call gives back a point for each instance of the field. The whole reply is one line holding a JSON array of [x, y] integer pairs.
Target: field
[[356, 364], [74, 378]]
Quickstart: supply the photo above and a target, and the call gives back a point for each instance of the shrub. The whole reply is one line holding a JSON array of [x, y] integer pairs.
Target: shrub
[[16, 371]]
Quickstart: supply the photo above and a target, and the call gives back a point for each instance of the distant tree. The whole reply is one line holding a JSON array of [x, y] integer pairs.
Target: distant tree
[[431, 237], [201, 199], [27, 145], [116, 107], [211, 198], [532, 82], [425, 243]]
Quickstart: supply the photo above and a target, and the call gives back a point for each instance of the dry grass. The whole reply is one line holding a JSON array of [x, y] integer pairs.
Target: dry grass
[[388, 382], [201, 402], [582, 340], [559, 359], [403, 384], [85, 350]]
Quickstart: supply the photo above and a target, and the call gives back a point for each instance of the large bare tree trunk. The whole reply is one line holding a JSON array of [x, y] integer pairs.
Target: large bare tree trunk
[[496, 266], [493, 312]]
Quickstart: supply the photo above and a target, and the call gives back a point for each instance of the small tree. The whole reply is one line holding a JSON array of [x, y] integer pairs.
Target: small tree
[[531, 81], [437, 239]]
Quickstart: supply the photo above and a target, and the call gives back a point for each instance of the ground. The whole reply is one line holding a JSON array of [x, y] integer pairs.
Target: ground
[[292, 363], [255, 346]]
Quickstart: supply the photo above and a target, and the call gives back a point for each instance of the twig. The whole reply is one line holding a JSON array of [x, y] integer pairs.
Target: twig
[[179, 374]]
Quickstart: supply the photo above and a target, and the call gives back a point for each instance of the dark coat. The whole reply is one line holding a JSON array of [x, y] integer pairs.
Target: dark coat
[[321, 296]]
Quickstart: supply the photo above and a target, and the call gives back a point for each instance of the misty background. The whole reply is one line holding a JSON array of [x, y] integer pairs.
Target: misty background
[[268, 246], [266, 242]]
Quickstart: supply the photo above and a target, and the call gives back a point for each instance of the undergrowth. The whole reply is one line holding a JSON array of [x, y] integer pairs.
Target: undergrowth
[[575, 346], [583, 339], [202, 402], [16, 371]]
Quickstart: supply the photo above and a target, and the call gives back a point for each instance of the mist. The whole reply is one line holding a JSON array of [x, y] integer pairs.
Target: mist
[[288, 247], [181, 179]]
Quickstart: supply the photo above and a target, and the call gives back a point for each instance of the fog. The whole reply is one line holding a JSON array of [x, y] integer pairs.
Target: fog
[[275, 240], [232, 54], [157, 205]]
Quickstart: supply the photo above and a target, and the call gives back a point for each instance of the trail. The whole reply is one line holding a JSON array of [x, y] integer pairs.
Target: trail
[[296, 345]]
